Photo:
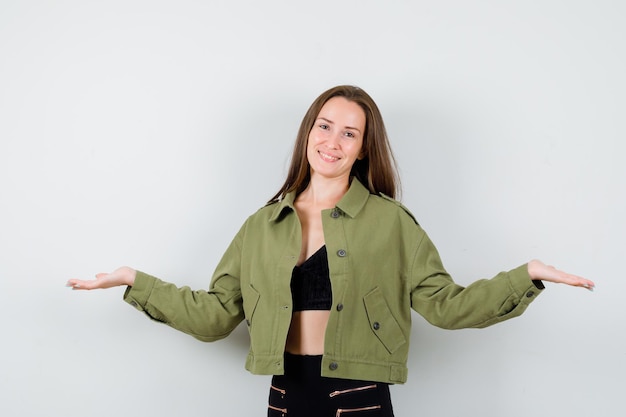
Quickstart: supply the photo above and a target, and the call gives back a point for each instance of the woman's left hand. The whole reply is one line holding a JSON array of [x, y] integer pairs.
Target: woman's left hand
[[540, 271]]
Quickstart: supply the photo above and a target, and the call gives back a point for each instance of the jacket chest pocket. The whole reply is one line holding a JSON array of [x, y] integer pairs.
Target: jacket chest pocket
[[381, 321]]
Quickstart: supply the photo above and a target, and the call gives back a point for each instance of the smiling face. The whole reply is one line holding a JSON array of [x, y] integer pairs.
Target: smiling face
[[336, 139]]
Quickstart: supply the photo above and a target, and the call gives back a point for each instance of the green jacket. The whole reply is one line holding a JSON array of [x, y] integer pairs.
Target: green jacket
[[381, 265]]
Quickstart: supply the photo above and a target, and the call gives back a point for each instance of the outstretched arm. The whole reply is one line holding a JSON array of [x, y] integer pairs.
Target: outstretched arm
[[121, 276], [540, 271]]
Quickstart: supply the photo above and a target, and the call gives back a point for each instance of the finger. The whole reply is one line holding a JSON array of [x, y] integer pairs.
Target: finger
[[79, 284], [581, 282], [590, 285], [75, 284]]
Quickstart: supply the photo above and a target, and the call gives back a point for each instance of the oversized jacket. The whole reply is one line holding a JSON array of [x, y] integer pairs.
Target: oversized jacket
[[382, 264]]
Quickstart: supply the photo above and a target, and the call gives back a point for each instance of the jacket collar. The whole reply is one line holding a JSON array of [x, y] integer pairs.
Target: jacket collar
[[351, 203]]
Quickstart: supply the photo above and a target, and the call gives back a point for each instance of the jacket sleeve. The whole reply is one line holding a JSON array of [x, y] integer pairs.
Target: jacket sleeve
[[206, 315], [445, 304]]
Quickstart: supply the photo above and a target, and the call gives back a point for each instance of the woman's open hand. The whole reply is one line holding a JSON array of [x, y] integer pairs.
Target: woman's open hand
[[540, 271], [121, 276]]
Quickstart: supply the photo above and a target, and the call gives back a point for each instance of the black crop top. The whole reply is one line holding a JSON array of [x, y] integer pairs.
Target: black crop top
[[310, 283]]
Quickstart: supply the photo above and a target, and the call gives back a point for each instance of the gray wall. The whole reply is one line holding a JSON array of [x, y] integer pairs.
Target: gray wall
[[144, 132]]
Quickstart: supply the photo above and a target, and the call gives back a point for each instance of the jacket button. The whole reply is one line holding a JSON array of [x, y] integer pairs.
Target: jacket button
[[334, 214], [339, 307], [376, 325], [341, 253], [530, 294], [248, 322], [333, 366], [133, 303]]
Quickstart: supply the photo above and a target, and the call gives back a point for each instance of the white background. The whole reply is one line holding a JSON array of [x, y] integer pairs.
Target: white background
[[144, 132]]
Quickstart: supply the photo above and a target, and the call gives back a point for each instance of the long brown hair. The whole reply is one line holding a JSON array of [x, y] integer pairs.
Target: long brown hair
[[377, 170]]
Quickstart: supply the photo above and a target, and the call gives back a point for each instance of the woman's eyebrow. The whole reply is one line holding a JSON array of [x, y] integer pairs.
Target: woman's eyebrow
[[331, 122]]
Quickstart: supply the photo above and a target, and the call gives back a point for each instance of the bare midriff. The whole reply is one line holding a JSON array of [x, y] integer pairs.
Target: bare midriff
[[306, 333]]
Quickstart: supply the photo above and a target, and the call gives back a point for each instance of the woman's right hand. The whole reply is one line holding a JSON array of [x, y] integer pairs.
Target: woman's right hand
[[121, 276]]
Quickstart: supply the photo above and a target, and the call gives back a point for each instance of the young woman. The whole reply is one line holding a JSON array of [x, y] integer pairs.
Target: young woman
[[326, 274]]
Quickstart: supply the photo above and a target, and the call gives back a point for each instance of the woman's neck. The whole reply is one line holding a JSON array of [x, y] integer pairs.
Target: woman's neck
[[324, 192]]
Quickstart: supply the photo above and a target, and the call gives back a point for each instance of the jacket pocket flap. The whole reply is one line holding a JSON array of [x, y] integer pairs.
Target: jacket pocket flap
[[250, 301], [382, 323]]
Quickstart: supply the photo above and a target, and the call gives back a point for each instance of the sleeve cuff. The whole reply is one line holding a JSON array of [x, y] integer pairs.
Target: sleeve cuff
[[138, 295], [523, 285]]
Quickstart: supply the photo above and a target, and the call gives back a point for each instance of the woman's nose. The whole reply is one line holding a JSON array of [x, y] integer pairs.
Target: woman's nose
[[333, 140]]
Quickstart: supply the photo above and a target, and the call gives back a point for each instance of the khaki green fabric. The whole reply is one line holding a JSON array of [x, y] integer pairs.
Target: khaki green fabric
[[382, 264]]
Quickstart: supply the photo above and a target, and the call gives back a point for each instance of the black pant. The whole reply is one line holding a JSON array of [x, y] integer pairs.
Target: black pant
[[302, 392]]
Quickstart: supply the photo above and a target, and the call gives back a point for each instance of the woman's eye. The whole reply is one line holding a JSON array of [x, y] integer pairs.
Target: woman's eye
[[324, 126], [350, 134]]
